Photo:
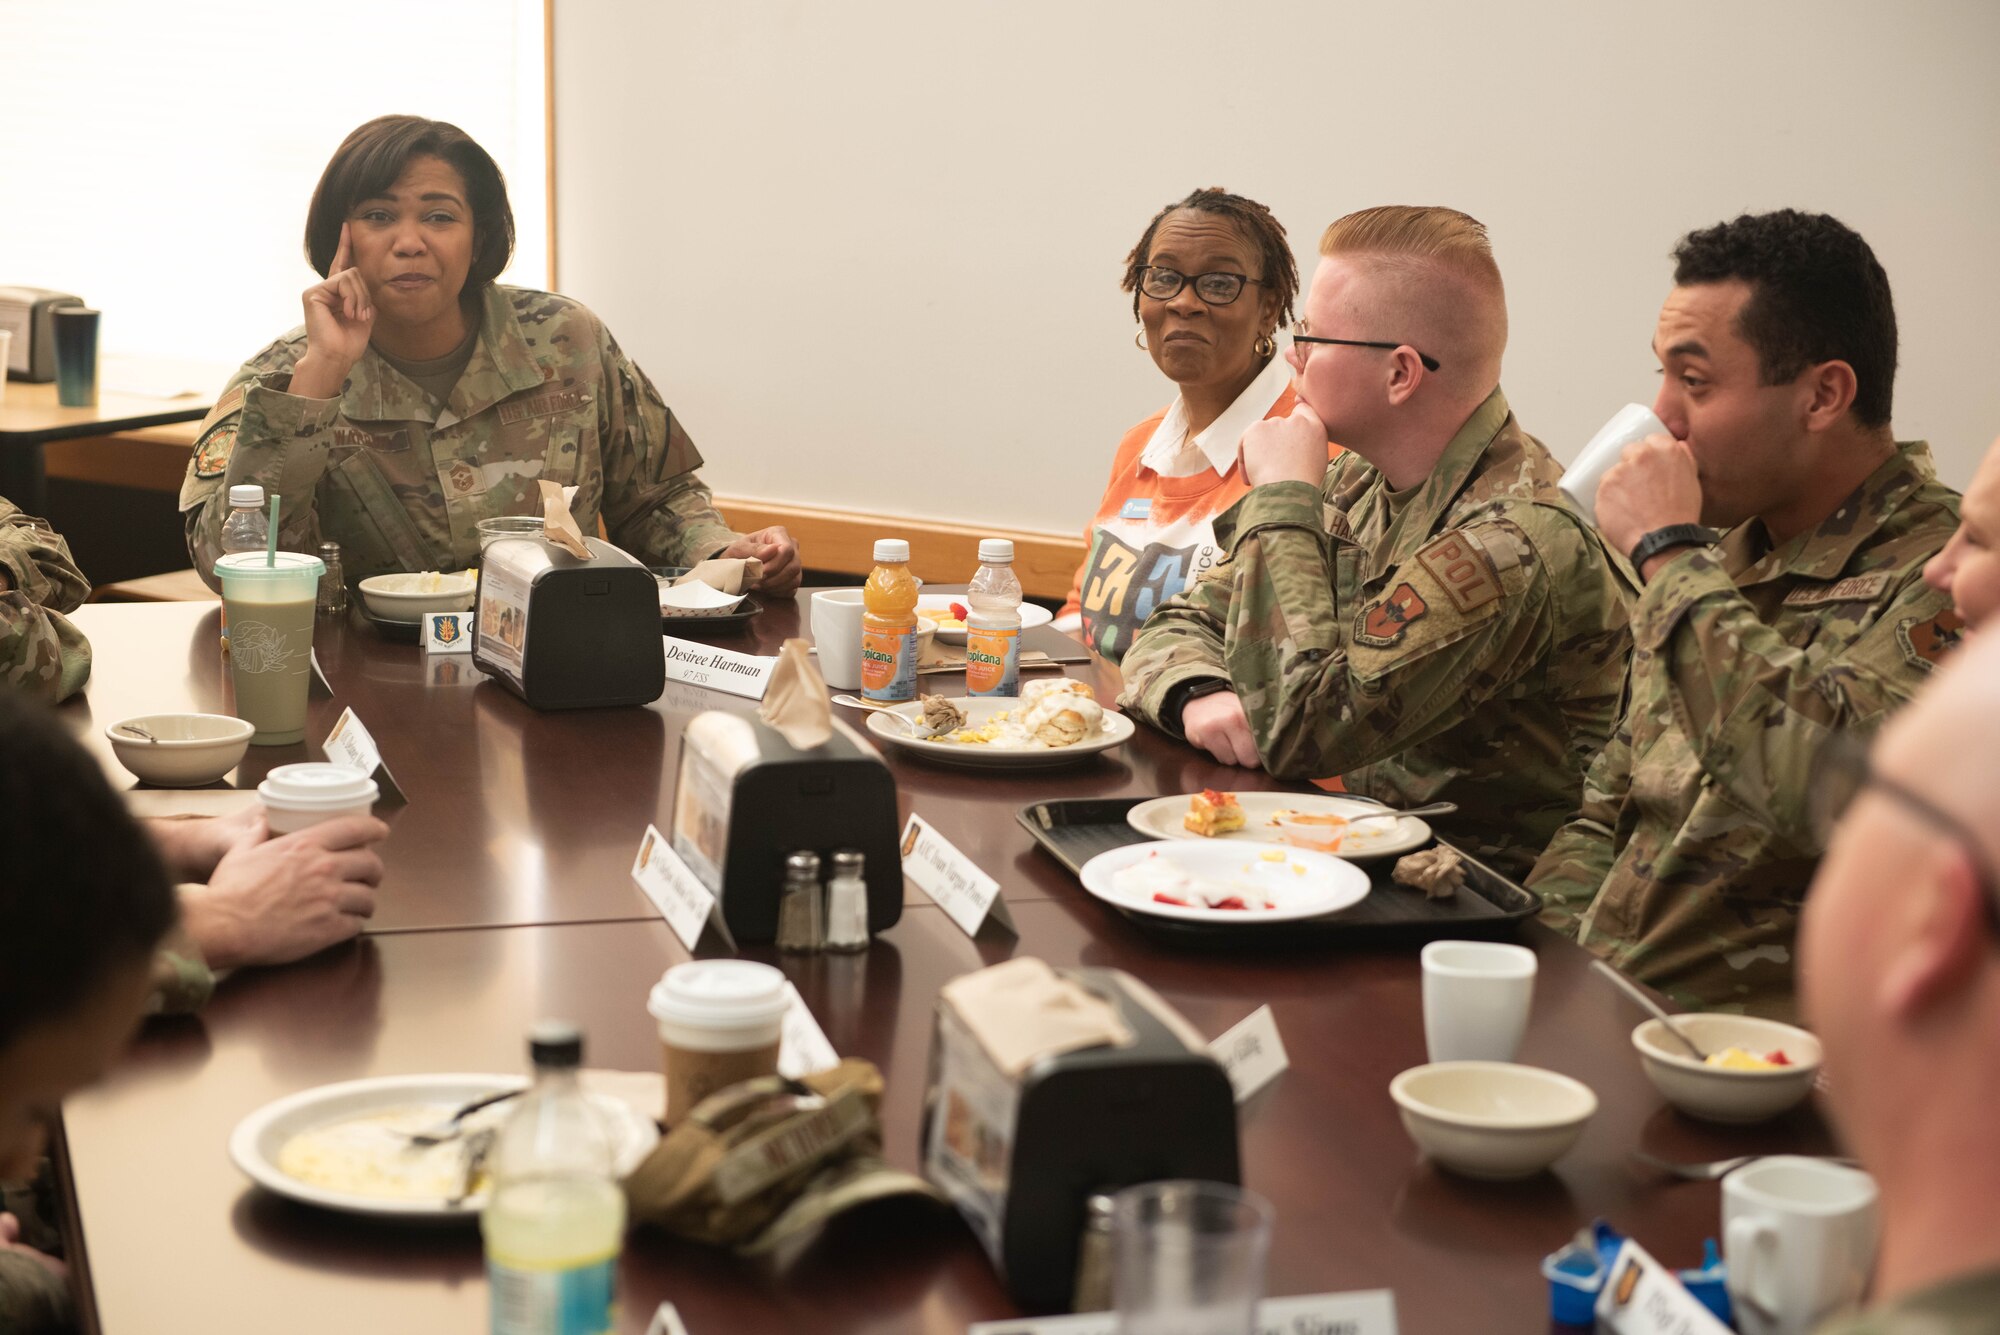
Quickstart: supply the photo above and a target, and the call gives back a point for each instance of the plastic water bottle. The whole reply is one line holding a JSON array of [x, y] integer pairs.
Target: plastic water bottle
[[556, 1221], [248, 529], [993, 630]]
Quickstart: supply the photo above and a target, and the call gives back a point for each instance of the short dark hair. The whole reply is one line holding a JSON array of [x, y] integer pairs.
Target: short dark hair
[[372, 159], [1817, 294], [84, 891], [1259, 228]]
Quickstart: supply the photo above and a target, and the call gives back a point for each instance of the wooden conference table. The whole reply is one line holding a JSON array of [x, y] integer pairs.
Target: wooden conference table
[[508, 899], [31, 417]]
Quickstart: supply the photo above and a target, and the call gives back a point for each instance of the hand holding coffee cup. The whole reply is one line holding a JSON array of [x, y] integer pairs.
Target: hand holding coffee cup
[[1580, 481], [1655, 485]]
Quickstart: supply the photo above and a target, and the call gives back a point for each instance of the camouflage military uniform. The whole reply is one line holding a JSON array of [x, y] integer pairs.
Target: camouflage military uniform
[[400, 481], [1464, 641], [41, 653], [1688, 861], [1966, 1306]]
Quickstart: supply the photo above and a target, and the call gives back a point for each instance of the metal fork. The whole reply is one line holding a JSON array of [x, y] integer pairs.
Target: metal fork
[[1716, 1168], [453, 1125]]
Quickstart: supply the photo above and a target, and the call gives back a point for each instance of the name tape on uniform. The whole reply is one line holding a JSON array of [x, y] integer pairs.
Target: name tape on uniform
[[1251, 1052], [353, 745], [954, 882], [1643, 1297], [447, 632], [1365, 1312], [679, 895], [802, 1045], [716, 669]]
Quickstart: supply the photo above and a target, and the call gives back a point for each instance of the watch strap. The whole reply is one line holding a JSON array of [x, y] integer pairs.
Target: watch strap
[[1673, 535]]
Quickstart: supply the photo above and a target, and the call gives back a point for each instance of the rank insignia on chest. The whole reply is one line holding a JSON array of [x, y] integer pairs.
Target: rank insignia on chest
[[1925, 642], [211, 457], [462, 478], [1382, 624]]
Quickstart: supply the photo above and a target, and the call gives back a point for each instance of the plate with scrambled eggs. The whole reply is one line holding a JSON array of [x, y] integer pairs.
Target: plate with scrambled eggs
[[1045, 728]]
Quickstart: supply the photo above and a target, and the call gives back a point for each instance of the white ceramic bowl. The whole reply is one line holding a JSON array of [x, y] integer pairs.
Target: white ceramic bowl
[[1493, 1120], [193, 749], [926, 632], [406, 597], [1715, 1094]]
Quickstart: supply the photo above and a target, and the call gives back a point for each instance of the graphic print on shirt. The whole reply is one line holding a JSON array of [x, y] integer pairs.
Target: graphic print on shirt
[[1124, 585]]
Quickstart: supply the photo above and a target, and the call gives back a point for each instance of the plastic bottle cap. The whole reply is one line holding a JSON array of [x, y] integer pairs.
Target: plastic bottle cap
[[996, 551], [246, 494], [555, 1043], [892, 551]]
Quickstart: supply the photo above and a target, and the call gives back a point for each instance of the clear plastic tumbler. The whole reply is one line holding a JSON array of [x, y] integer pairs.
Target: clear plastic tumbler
[[269, 604], [1187, 1258]]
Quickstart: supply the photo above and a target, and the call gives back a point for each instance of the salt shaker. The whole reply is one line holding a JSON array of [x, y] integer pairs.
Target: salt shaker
[[847, 904], [333, 584], [1093, 1258], [801, 913]]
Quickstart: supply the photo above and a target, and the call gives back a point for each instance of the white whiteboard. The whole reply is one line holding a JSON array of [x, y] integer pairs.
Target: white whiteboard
[[870, 250]]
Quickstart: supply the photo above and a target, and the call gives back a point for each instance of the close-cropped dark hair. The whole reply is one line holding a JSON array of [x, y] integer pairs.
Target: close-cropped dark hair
[[372, 159], [1263, 231], [83, 892], [1817, 294]]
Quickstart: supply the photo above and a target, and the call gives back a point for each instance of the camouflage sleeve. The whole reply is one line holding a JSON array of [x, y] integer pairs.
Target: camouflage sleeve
[[182, 981], [1180, 643], [1758, 710], [1574, 865], [261, 433], [41, 652], [33, 1301], [654, 505], [1330, 688]]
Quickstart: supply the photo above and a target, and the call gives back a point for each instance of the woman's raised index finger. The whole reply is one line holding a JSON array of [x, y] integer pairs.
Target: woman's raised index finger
[[340, 261]]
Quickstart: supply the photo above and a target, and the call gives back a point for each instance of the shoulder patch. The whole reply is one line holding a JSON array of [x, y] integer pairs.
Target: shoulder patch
[[1456, 561], [224, 406], [1381, 624], [1925, 641], [211, 457], [1854, 589]]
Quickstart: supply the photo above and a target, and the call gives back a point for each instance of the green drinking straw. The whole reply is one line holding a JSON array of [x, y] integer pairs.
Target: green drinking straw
[[271, 538]]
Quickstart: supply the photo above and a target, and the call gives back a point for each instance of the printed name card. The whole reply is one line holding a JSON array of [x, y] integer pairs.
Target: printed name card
[[686, 904], [1251, 1052], [447, 632], [802, 1045], [1366, 1312], [954, 882], [351, 744], [1643, 1297], [718, 669], [667, 1321]]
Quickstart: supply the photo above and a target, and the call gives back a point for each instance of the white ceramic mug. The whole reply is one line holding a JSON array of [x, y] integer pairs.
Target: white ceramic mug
[[1629, 425], [836, 631], [1476, 999], [1799, 1236]]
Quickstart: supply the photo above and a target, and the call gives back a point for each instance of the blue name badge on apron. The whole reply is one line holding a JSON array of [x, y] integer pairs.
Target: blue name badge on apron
[[1139, 507]]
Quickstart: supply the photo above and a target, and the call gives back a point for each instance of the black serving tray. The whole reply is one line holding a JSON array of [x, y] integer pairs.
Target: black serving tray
[[736, 618], [1075, 830]]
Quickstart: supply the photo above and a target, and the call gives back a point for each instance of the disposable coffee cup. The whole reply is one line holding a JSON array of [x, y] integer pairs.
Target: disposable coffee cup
[[296, 796], [720, 1024], [1628, 426], [268, 602]]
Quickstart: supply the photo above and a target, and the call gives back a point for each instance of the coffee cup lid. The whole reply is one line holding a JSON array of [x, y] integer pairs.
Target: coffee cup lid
[[719, 994], [315, 786]]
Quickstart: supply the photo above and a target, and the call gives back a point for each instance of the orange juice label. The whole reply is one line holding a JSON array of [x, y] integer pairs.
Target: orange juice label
[[993, 660], [889, 662]]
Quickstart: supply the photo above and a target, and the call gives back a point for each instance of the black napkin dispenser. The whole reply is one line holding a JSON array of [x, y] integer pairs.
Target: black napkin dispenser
[[565, 633], [745, 797], [1020, 1159]]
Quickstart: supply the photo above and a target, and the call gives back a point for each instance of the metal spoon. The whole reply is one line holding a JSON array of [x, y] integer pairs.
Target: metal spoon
[[450, 1126], [139, 731], [1631, 989], [1715, 1168], [856, 702], [1428, 809]]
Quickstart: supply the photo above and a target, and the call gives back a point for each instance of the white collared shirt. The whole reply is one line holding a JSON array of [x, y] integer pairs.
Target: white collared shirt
[[1171, 454]]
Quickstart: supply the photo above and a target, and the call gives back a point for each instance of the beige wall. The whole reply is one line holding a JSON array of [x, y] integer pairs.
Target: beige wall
[[870, 249]]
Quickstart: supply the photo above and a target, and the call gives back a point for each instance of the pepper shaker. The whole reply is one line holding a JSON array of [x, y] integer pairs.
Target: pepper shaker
[[801, 912], [332, 584]]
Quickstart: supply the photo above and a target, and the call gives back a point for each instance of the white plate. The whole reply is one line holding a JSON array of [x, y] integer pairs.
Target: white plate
[[1161, 818], [940, 605], [1116, 731], [1327, 885], [259, 1138]]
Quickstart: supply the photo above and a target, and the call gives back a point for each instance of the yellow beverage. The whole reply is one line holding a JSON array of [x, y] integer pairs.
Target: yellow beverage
[[552, 1249], [889, 625]]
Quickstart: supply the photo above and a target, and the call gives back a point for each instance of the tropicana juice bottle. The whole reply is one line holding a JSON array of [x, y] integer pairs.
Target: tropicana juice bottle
[[889, 625]]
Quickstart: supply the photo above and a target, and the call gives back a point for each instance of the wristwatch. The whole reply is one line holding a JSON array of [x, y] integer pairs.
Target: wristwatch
[[1673, 535]]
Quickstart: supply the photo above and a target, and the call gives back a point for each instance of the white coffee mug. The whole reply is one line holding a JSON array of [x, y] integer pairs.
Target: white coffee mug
[[836, 631], [1629, 425], [1476, 999], [1799, 1236]]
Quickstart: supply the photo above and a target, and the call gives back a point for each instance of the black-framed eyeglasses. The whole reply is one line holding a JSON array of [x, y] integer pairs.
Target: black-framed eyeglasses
[[1300, 336], [1844, 773], [1218, 288]]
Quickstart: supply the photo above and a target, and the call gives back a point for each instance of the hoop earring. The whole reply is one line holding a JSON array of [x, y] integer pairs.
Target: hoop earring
[[1139, 340], [1267, 346]]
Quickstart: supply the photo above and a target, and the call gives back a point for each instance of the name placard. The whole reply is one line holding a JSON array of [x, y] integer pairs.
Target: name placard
[[1643, 1297], [954, 882], [447, 632], [667, 1321], [686, 904], [716, 669], [1251, 1052], [802, 1045], [1365, 1312], [353, 745]]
